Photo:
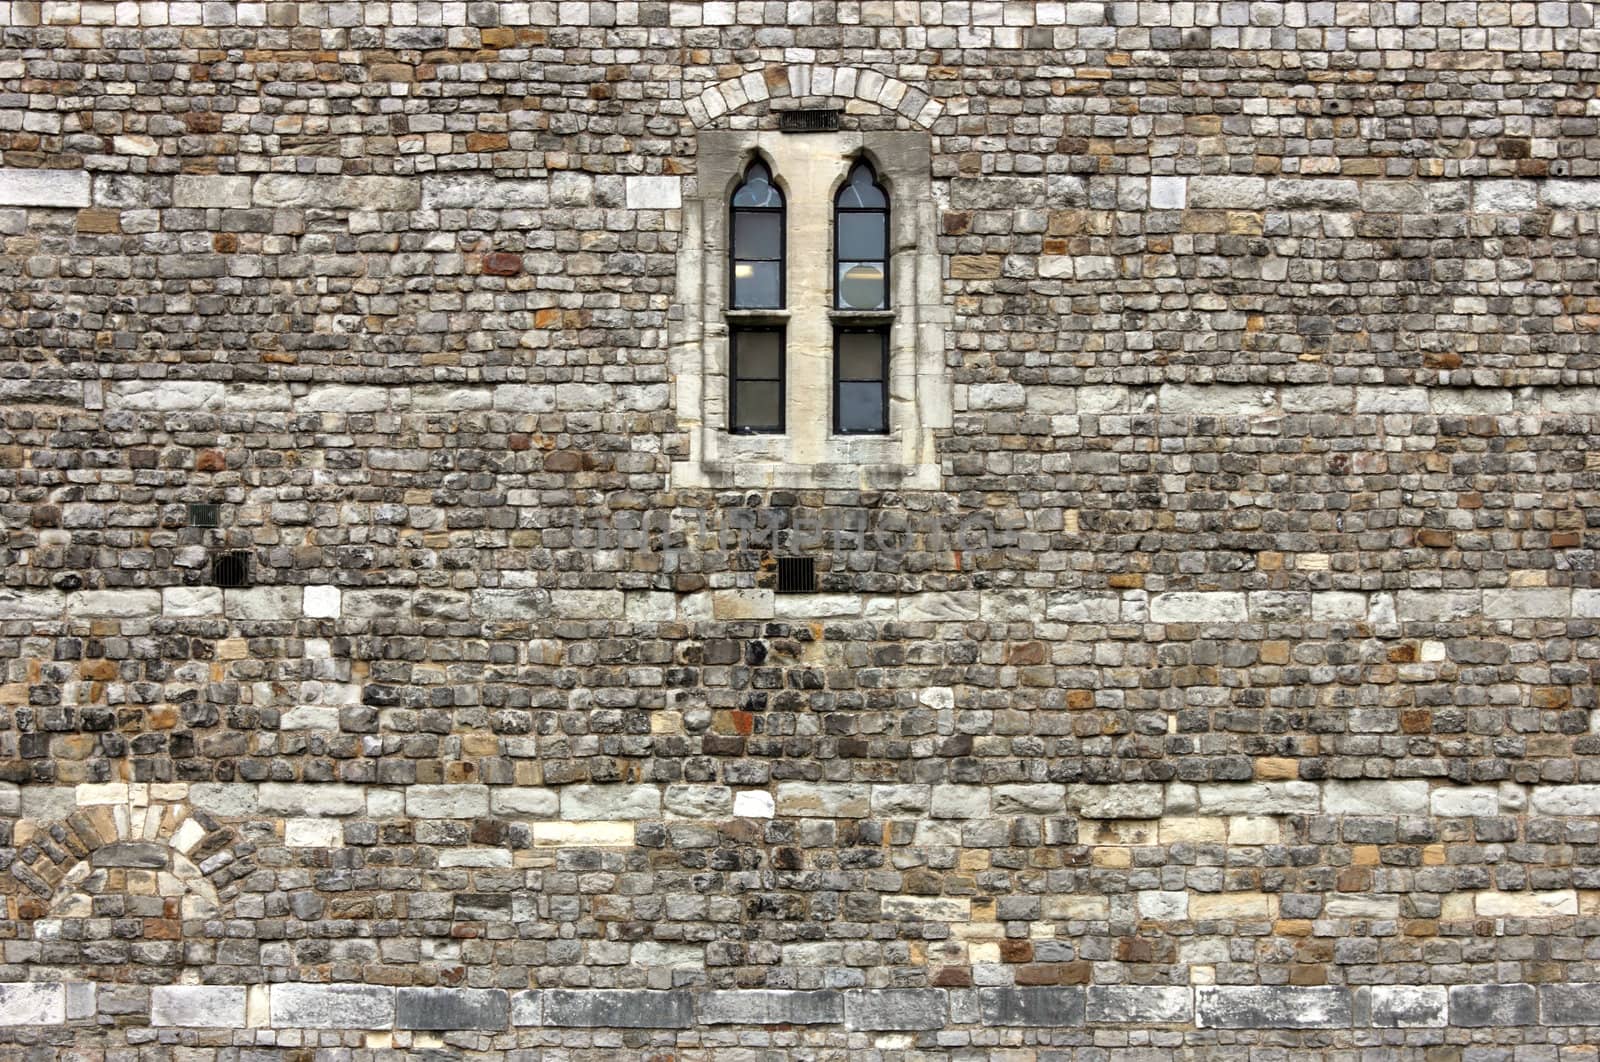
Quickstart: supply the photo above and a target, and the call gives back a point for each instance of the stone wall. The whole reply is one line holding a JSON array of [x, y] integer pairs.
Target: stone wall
[[1232, 695]]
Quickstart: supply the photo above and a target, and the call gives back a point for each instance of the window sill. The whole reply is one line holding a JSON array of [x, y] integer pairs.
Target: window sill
[[756, 317], [861, 317]]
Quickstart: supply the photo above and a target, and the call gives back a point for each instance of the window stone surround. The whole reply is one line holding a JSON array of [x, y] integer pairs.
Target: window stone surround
[[810, 168]]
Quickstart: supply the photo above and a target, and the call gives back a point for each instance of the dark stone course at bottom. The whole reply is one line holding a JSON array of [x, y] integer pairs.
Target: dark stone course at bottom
[[451, 1008], [771, 1007], [1031, 1006], [1493, 1006], [619, 1009], [896, 1009]]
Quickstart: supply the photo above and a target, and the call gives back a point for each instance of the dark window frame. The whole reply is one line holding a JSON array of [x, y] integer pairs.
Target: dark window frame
[[882, 332], [734, 333], [782, 211], [839, 209]]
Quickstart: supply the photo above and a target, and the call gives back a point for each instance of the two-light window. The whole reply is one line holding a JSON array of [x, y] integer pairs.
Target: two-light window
[[859, 301]]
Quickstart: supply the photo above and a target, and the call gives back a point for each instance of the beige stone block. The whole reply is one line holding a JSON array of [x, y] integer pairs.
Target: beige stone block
[[1456, 907], [583, 834], [1492, 904], [1253, 830], [1072, 908], [1232, 905], [1188, 830]]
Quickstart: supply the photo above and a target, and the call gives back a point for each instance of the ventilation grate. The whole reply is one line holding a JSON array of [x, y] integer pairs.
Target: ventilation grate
[[231, 569], [797, 575], [205, 514]]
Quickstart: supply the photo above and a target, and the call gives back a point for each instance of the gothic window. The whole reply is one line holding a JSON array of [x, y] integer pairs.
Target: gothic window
[[756, 364], [861, 242], [758, 239]]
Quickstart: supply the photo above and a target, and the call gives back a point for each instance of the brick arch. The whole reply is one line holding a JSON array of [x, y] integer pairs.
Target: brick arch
[[58, 860], [798, 81]]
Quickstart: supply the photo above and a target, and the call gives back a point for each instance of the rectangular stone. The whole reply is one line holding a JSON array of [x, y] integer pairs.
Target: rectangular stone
[[309, 798], [198, 1006], [32, 1003], [896, 1009], [939, 606], [63, 189], [1493, 1006], [164, 395], [1216, 400], [618, 1008], [1324, 193], [757, 1006], [114, 604], [210, 191], [580, 803], [1560, 903], [263, 603], [305, 1006], [1570, 1004], [1126, 800], [654, 193], [1504, 197], [1567, 799], [483, 192], [824, 800], [32, 604], [586, 604], [1227, 193], [1083, 606], [451, 1008], [447, 801], [1198, 607], [1463, 802], [344, 398], [527, 1008], [1260, 798], [1334, 605], [1145, 1004], [1393, 400], [1407, 1006], [1438, 606], [180, 602], [1372, 796], [519, 604], [524, 801], [1531, 602], [582, 834], [1049, 1007], [1271, 1007]]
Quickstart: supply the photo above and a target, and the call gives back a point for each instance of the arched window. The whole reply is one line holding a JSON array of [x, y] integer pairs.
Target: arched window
[[861, 242], [757, 241]]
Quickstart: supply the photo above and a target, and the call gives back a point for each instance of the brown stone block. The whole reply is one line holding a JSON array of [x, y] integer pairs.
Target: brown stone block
[[487, 141], [1044, 973], [1308, 975], [974, 267], [952, 977], [1416, 721], [1277, 768], [1126, 581], [99, 221]]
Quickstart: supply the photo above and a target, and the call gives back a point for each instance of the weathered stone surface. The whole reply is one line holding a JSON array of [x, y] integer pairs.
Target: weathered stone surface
[[198, 1006], [1189, 607], [32, 1003], [451, 1008], [210, 191], [447, 801], [182, 602], [618, 1008], [519, 605], [610, 802], [1493, 1006], [1271, 1007], [483, 192], [1133, 801], [1406, 1006], [317, 799], [1570, 1004], [335, 1006], [164, 395], [1052, 1007], [1152, 1004], [114, 604], [770, 1007], [31, 604], [44, 188], [896, 1009], [130, 854], [1371, 796]]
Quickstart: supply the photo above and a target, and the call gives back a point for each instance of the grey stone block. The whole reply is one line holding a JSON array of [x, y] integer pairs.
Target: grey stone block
[[81, 999], [198, 1006], [1146, 1004], [451, 1008], [618, 1008], [1492, 1006], [1574, 1004], [1403, 1006], [1271, 1007], [527, 1008], [771, 1007], [297, 1006], [891, 1009], [149, 855], [1054, 1007]]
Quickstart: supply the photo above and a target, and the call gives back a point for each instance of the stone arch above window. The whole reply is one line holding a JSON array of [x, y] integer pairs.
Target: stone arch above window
[[813, 82]]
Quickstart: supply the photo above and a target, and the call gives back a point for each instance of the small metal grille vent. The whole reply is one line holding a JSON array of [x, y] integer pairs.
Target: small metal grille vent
[[808, 121], [231, 569], [202, 514], [797, 575]]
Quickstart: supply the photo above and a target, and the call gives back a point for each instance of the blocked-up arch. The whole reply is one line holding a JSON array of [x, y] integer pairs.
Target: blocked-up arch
[[780, 81]]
